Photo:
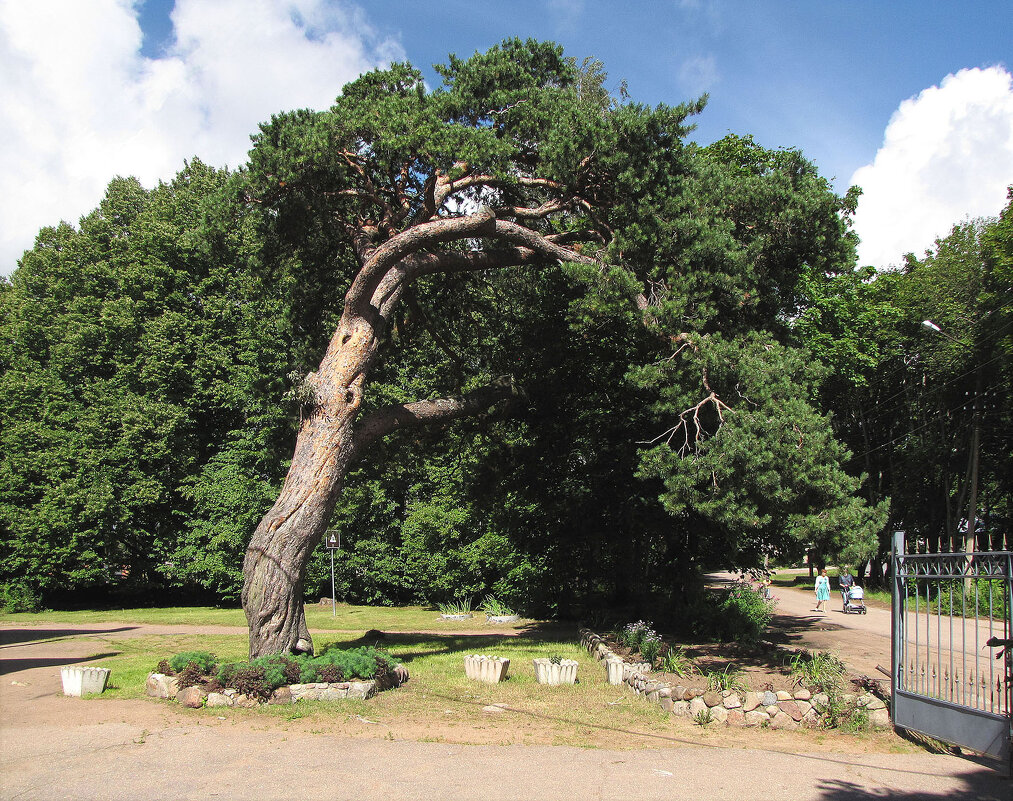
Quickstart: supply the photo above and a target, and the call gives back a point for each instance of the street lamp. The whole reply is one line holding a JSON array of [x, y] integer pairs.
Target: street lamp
[[972, 503], [333, 543], [933, 327]]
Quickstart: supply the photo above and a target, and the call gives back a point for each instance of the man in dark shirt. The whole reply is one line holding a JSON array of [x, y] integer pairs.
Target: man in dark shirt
[[846, 582]]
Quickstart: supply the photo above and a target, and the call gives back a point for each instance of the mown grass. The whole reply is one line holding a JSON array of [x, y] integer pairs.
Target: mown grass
[[348, 617], [438, 703]]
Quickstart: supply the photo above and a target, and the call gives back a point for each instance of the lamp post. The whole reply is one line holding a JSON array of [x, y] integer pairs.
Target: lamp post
[[333, 543]]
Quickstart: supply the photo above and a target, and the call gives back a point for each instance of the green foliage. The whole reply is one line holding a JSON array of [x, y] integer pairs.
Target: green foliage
[[841, 715], [131, 348], [739, 613], [204, 660], [675, 660], [462, 606], [725, 679], [821, 671], [760, 471], [703, 718], [770, 400], [19, 596], [266, 673], [650, 647], [492, 606], [634, 634], [190, 676]]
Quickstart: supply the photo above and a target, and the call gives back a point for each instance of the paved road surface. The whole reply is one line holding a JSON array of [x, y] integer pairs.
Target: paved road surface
[[52, 747]]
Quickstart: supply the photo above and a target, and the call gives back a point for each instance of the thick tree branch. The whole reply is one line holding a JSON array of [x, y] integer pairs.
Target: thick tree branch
[[411, 241], [421, 413], [402, 266]]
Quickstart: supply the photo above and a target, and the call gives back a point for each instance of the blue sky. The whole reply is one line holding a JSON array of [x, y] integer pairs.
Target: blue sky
[[826, 77]]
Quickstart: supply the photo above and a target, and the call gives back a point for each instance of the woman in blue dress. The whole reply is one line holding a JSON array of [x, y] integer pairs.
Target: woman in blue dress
[[822, 592]]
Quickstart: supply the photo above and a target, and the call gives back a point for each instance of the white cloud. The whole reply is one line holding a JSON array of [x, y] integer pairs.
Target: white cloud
[[947, 155], [698, 74], [79, 104]]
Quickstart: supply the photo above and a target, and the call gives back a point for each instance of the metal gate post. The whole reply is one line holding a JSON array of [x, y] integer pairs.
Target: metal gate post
[[898, 598]]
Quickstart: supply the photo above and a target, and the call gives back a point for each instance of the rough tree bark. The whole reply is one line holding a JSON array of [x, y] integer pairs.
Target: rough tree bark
[[332, 434]]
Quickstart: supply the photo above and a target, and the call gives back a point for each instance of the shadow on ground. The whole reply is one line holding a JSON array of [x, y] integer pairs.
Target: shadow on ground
[[984, 784], [10, 637], [531, 634], [15, 665]]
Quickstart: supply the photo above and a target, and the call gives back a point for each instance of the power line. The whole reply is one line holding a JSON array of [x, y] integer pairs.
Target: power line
[[994, 334], [919, 428], [868, 416]]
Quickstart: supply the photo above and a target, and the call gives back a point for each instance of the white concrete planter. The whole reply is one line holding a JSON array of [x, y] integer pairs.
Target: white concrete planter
[[78, 681], [501, 618], [548, 673], [456, 617], [490, 669], [614, 666], [630, 668]]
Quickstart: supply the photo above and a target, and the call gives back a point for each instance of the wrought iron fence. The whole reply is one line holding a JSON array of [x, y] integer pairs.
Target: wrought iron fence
[[952, 643]]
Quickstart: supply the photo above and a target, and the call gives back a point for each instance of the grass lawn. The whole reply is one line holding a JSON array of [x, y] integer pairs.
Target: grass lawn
[[438, 703], [347, 617]]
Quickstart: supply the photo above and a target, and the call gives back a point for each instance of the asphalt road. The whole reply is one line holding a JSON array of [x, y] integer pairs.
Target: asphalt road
[[53, 747]]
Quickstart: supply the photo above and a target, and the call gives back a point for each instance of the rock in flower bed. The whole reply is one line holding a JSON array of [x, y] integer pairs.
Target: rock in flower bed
[[777, 710], [194, 679]]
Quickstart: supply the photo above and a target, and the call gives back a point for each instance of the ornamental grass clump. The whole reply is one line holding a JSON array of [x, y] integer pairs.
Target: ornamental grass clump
[[461, 606], [493, 606], [818, 670], [727, 679], [675, 660]]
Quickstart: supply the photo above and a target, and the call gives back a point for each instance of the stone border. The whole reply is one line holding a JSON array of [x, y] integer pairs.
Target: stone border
[[780, 710], [159, 685]]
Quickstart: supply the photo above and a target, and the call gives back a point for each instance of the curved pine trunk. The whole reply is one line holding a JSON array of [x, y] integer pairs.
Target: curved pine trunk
[[280, 549], [279, 552]]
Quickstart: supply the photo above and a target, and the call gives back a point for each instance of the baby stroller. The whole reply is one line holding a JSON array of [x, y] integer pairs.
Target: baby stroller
[[855, 602]]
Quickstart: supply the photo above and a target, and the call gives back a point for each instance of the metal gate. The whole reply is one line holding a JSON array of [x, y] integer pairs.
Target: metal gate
[[952, 648]]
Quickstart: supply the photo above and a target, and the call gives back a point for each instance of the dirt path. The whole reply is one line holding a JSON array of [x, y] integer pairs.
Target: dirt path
[[57, 747], [861, 641]]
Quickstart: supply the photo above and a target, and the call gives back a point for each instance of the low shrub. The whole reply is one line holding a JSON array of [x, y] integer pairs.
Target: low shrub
[[19, 596], [205, 661], [745, 612], [332, 664], [250, 680], [738, 614], [190, 676]]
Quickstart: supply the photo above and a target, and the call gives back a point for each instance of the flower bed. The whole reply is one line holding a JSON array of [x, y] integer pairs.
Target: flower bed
[[195, 679], [778, 710]]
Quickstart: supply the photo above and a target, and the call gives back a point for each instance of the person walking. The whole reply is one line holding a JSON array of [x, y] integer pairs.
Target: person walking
[[822, 592], [847, 581]]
